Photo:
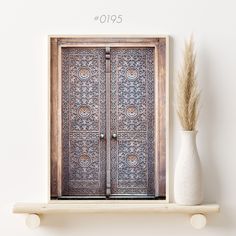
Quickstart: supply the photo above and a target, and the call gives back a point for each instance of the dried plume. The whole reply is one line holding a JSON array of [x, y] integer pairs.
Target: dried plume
[[187, 90]]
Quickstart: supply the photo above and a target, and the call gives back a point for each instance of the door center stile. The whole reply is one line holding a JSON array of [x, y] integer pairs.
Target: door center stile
[[108, 125]]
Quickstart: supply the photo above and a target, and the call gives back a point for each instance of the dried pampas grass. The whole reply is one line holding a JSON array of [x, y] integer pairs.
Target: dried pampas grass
[[187, 90]]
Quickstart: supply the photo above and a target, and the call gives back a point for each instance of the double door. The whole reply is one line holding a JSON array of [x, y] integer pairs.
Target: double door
[[108, 120], [108, 116]]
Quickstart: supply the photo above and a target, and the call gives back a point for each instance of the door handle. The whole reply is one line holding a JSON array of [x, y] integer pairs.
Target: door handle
[[114, 136], [102, 136]]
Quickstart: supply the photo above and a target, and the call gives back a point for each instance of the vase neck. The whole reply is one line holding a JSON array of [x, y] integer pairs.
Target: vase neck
[[189, 136]]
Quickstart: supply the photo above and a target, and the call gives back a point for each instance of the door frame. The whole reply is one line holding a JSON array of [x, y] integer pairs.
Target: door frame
[[161, 45]]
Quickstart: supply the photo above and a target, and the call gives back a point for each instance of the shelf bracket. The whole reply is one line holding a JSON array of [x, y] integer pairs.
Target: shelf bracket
[[32, 221], [198, 221]]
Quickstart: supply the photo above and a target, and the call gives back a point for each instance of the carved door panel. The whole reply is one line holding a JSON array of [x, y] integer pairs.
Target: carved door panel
[[132, 122], [107, 117], [83, 121]]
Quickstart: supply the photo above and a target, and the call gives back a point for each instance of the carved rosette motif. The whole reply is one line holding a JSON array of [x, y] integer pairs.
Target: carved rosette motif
[[83, 118], [132, 118]]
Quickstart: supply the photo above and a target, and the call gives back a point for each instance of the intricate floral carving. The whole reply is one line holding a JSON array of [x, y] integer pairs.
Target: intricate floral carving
[[84, 73], [83, 118], [131, 111], [132, 118], [84, 160], [84, 111], [132, 160], [131, 73]]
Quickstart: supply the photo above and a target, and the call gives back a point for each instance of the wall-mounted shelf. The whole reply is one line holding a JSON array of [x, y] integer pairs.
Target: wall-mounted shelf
[[34, 210]]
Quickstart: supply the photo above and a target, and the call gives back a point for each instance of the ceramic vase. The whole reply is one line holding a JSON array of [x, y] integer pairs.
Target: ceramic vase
[[188, 189]]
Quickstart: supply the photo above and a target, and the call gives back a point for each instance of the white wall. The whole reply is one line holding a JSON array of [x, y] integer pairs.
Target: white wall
[[24, 26]]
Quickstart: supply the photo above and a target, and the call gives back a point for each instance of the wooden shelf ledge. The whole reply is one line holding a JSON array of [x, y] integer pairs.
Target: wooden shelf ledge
[[34, 210], [47, 208]]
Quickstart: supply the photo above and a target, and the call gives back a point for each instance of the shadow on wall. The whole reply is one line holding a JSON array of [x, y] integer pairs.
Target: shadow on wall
[[208, 109], [208, 152], [129, 224], [114, 224]]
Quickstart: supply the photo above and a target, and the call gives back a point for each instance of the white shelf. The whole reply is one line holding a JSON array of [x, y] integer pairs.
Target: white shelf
[[47, 208], [34, 210]]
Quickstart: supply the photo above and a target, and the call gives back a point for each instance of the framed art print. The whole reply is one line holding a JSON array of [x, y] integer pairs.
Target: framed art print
[[108, 118]]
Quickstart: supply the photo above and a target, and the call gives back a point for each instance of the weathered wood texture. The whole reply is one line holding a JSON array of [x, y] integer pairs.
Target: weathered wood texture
[[53, 115]]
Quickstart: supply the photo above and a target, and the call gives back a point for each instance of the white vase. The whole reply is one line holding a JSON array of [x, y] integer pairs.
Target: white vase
[[188, 189]]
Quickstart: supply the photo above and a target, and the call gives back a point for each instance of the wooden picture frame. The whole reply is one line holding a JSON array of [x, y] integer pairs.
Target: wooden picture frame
[[161, 45]]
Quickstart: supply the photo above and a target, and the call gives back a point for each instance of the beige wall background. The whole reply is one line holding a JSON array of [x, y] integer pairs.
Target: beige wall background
[[24, 26]]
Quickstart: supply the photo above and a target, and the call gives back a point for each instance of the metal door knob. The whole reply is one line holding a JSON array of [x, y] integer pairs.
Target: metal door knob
[[102, 136], [114, 136]]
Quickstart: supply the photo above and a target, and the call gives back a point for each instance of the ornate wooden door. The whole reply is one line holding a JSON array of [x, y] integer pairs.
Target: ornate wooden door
[[128, 167], [83, 121], [108, 114], [132, 122]]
